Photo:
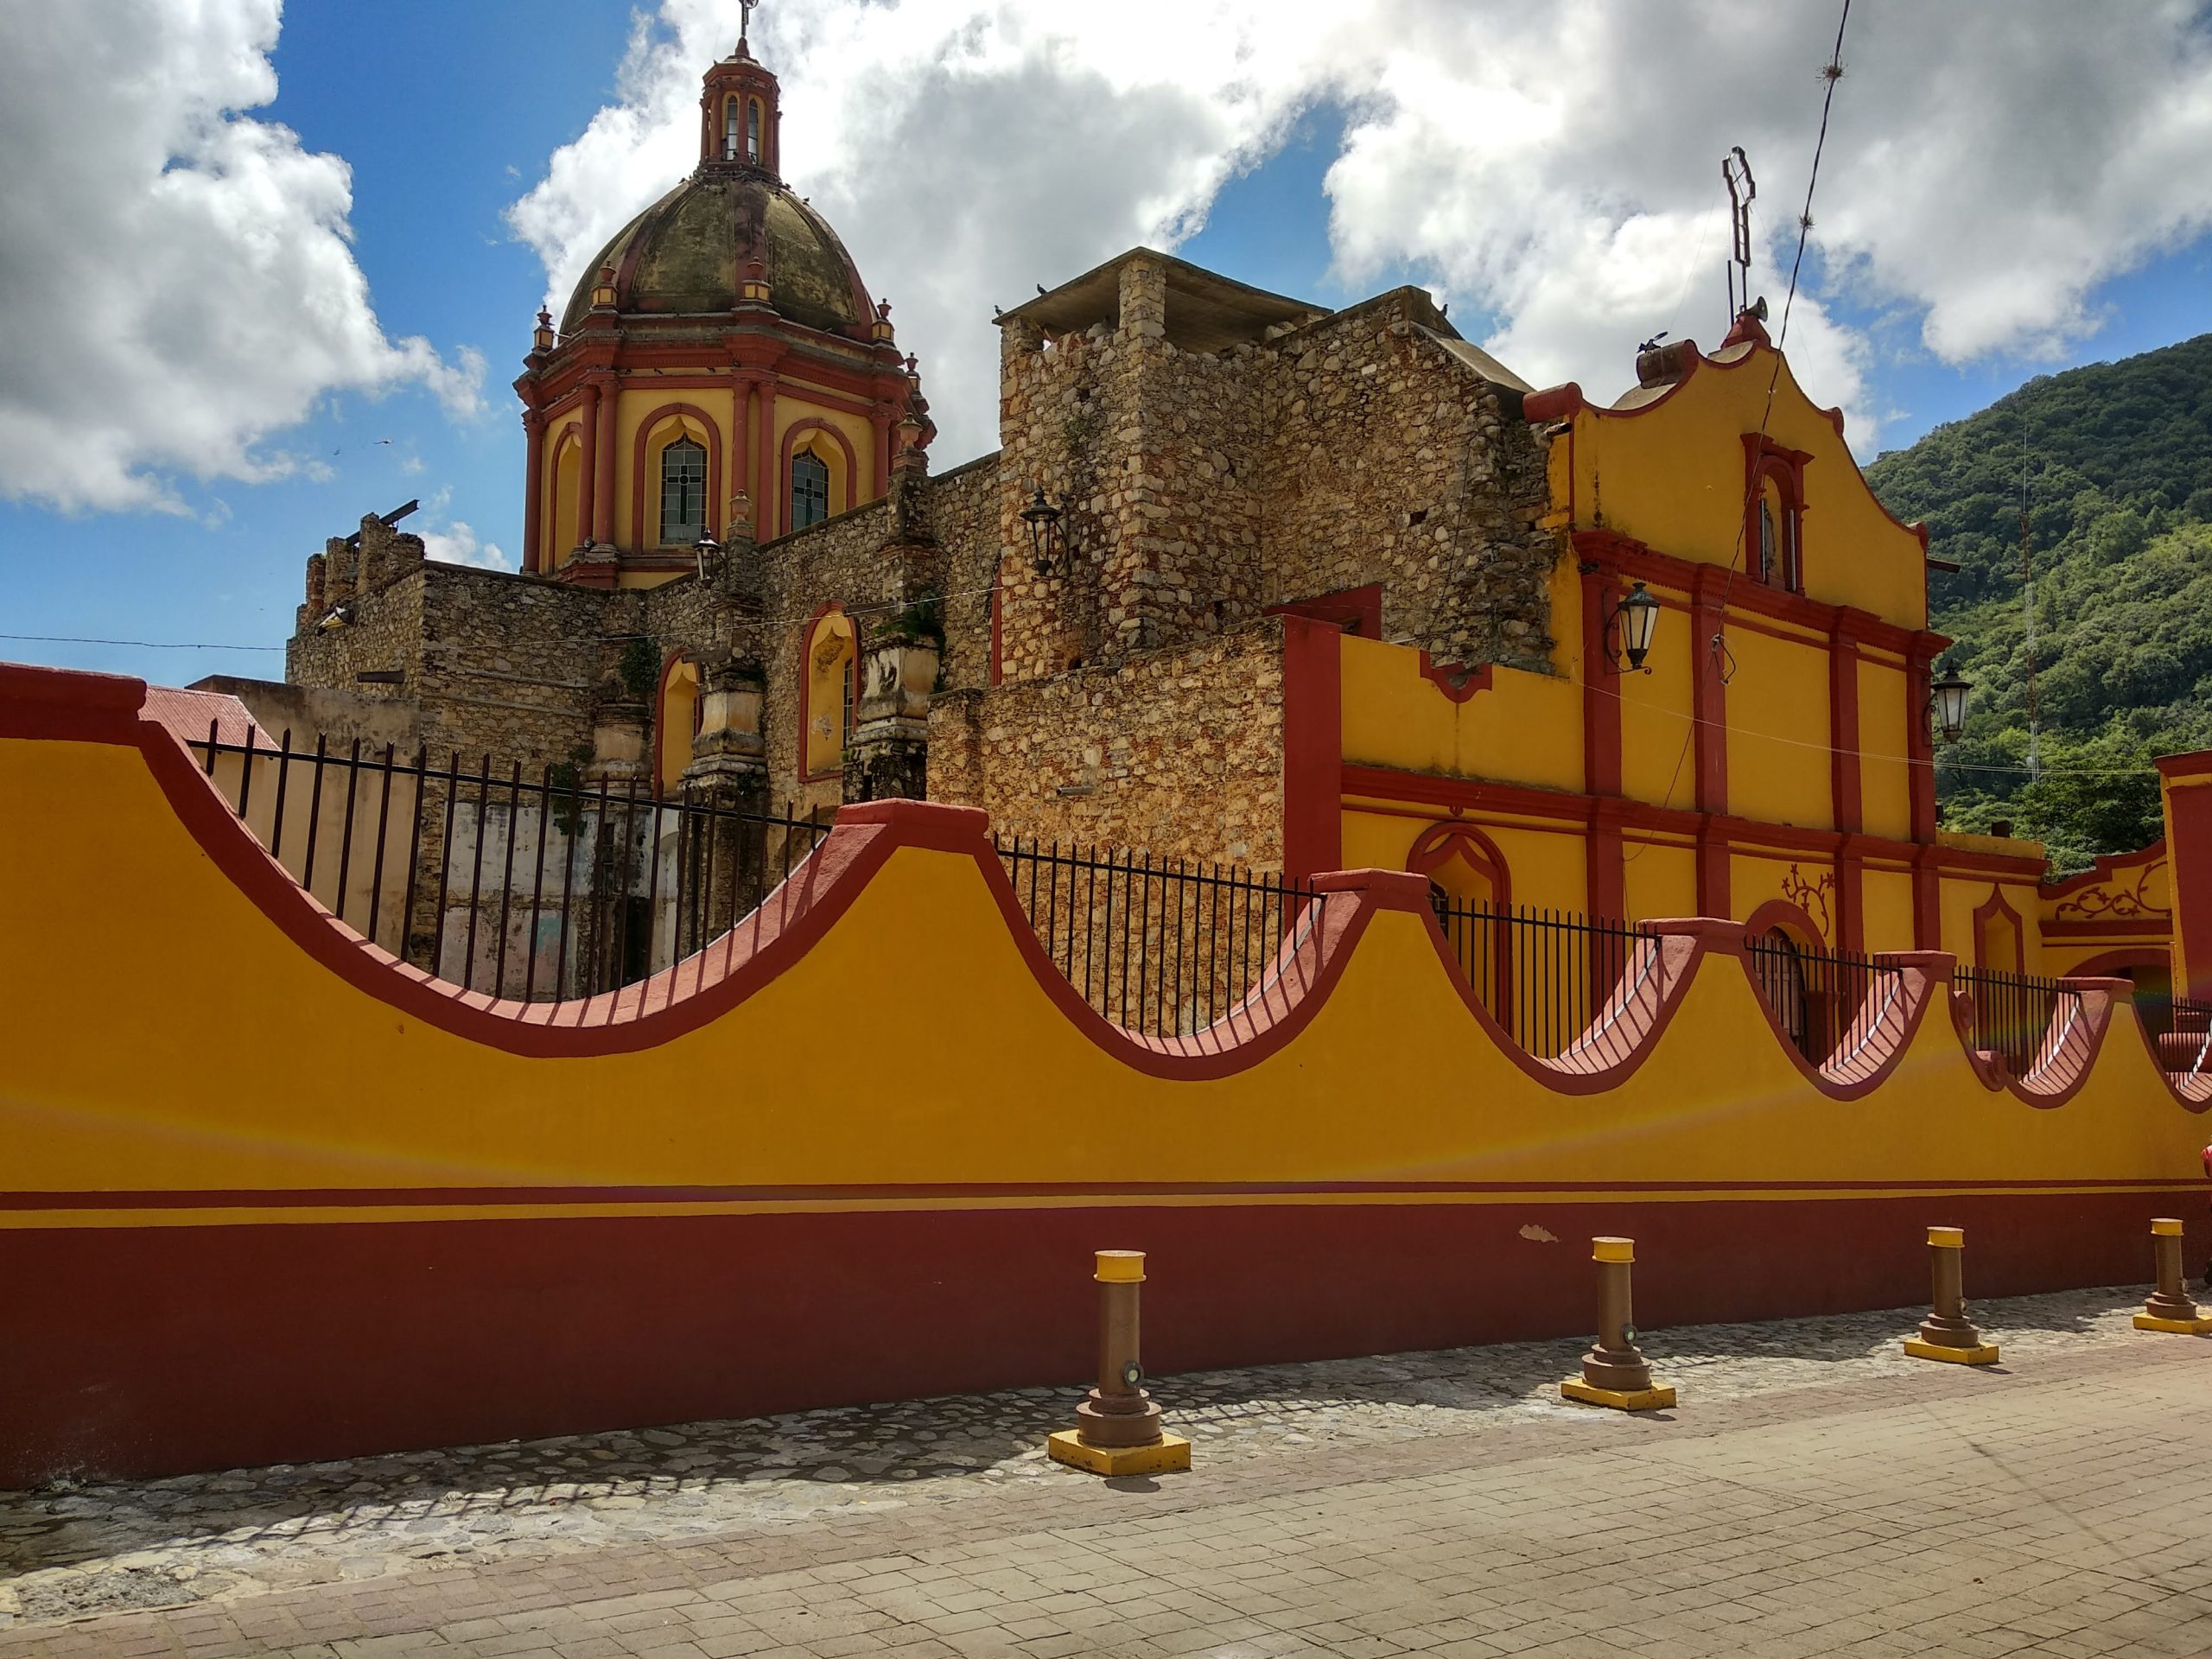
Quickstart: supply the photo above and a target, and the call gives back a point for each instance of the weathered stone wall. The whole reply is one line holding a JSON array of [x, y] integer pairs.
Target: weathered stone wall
[[510, 663], [1178, 753], [840, 561], [964, 515], [1389, 459], [1200, 487], [386, 634]]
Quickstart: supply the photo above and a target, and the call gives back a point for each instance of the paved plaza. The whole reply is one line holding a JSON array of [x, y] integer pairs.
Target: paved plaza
[[1815, 1493]]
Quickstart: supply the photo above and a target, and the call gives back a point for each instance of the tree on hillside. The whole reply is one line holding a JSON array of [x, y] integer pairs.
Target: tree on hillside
[[2118, 463]]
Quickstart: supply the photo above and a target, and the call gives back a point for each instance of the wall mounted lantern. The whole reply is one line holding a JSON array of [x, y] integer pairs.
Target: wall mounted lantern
[[1638, 614], [1636, 619], [1046, 538], [1946, 705]]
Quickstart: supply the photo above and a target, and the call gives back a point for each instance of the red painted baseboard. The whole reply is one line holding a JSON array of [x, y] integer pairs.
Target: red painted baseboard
[[157, 1351]]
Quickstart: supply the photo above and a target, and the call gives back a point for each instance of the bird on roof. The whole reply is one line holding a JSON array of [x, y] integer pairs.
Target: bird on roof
[[1041, 288], [998, 311]]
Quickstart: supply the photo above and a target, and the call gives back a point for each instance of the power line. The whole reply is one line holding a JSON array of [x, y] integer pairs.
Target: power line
[[142, 645]]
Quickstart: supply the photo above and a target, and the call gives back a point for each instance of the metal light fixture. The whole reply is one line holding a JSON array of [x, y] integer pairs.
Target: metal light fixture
[[1947, 705], [1639, 619], [1046, 538]]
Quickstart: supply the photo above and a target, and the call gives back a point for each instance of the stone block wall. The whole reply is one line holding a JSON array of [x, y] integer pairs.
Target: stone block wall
[[1178, 753], [1200, 487], [964, 515], [1387, 459]]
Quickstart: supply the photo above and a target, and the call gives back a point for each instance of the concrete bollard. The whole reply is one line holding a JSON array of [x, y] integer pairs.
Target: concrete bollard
[[2169, 1307], [1947, 1333], [1117, 1426], [1613, 1371]]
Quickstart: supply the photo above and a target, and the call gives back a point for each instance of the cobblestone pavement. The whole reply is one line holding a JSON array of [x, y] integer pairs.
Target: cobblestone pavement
[[69, 1551], [2054, 1505]]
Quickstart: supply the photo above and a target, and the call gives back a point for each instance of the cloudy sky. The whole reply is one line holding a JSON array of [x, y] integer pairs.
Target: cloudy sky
[[266, 267]]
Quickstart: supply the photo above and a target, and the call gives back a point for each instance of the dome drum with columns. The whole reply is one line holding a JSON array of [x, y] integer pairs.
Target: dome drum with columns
[[720, 369]]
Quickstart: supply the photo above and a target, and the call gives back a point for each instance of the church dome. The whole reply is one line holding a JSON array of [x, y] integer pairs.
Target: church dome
[[688, 253]]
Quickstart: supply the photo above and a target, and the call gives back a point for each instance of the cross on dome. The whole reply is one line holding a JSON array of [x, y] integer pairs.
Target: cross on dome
[[744, 22]]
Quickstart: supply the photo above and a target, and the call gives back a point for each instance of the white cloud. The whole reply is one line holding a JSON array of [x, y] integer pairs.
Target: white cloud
[[176, 279], [1554, 166], [457, 545]]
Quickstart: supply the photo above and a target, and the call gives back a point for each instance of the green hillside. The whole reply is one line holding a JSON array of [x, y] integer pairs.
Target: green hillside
[[2119, 462]]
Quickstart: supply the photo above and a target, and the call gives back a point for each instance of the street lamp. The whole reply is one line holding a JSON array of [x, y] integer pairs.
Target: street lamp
[[1639, 619], [1947, 704], [1046, 536]]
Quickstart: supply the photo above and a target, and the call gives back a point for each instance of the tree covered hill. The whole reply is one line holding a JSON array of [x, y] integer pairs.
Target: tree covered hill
[[2118, 459]]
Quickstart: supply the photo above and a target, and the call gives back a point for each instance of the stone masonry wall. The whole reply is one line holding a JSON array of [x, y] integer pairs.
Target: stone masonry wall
[[963, 515], [1177, 752], [1387, 459], [1200, 487]]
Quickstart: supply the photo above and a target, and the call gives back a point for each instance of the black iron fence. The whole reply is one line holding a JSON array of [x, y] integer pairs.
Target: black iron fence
[[537, 887], [1165, 946], [2021, 1018], [1829, 1003], [2180, 1029], [1549, 977]]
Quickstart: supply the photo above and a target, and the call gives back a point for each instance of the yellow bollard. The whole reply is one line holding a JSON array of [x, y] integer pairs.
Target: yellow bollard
[[2169, 1307], [1117, 1426], [1947, 1333], [1613, 1371]]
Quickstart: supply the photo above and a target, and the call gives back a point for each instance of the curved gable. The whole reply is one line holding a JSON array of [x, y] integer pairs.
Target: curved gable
[[1670, 466]]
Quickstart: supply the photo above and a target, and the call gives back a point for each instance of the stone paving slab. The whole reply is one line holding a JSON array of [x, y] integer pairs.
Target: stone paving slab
[[112, 1545], [2056, 1507]]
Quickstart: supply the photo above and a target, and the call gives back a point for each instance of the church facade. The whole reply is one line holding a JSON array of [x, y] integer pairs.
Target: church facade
[[1247, 581]]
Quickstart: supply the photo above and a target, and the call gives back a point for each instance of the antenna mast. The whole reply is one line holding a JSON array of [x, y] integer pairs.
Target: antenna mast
[[2028, 604]]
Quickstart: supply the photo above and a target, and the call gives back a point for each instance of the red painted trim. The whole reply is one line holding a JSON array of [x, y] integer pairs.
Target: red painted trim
[[1851, 898], [603, 513], [1793, 919], [533, 500], [792, 435], [1988, 909], [1605, 861], [643, 490], [2149, 928], [1750, 836], [1627, 556], [1709, 693], [860, 1194], [1601, 701], [1927, 899], [2115, 964], [1844, 783], [2104, 868], [1313, 745], [587, 467], [1437, 846], [1356, 610], [434, 1333], [1920, 743], [1763, 458]]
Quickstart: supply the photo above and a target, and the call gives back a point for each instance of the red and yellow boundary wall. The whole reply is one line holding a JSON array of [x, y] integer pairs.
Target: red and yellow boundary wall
[[271, 1195]]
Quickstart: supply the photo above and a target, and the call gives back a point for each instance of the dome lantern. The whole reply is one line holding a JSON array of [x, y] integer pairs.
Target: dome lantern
[[739, 120]]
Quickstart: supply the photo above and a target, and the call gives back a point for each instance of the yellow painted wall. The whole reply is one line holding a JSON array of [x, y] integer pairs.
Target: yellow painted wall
[[94, 1103], [1884, 776], [1778, 732], [1962, 895], [1887, 896], [1658, 760], [1672, 476], [1808, 883], [1526, 729], [1659, 880]]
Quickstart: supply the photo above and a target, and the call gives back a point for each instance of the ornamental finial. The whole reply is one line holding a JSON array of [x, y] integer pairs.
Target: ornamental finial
[[745, 24]]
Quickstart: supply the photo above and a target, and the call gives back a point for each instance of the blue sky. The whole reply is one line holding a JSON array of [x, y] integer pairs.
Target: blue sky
[[447, 114]]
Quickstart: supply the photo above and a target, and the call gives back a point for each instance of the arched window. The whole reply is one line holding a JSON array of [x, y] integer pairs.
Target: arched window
[[676, 722], [683, 493], [752, 130], [729, 130], [809, 489], [1777, 536]]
